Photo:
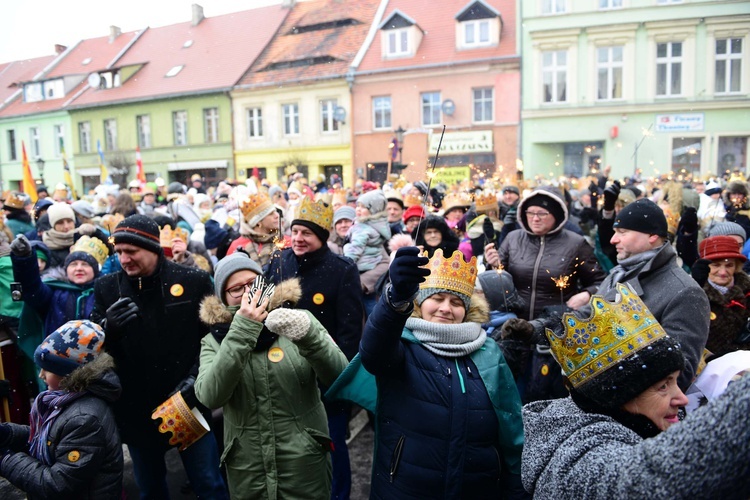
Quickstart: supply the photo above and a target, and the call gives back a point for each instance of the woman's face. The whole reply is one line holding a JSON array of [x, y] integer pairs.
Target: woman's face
[[432, 237], [342, 227], [411, 223], [660, 402], [238, 284], [454, 214], [65, 225], [79, 272], [269, 224], [443, 308], [722, 271]]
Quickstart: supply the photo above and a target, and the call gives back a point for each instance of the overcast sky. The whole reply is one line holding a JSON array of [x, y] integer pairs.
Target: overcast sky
[[32, 28]]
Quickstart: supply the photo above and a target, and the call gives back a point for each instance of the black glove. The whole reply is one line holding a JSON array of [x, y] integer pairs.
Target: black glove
[[689, 220], [21, 246], [489, 231], [406, 273], [517, 329], [5, 435], [511, 216], [610, 196], [700, 271], [187, 388], [118, 315]]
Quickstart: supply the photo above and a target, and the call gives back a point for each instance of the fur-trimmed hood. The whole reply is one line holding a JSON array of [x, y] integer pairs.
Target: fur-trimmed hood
[[555, 197], [213, 312], [97, 377], [479, 311], [736, 187]]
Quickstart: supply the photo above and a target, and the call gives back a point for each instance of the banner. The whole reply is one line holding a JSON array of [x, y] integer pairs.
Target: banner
[[66, 171], [451, 175], [28, 185]]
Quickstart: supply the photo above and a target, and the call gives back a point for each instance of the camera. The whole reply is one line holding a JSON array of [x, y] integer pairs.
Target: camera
[[16, 291]]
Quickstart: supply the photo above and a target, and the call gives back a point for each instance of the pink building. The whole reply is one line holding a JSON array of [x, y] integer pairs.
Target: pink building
[[431, 64]]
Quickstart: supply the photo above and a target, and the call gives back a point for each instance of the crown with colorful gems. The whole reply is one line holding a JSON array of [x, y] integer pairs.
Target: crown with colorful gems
[[613, 332], [451, 273], [255, 204], [185, 425], [316, 212], [485, 201], [456, 200], [92, 246], [167, 234]]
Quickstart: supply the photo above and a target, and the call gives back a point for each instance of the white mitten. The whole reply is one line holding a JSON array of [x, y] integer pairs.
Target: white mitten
[[290, 323]]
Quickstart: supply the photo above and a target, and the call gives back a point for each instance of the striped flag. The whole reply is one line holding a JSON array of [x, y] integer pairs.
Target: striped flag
[[28, 185], [141, 175], [104, 177], [66, 170]]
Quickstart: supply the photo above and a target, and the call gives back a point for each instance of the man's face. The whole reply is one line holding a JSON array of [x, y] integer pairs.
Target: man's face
[[395, 211], [304, 240], [136, 261], [628, 242], [509, 197]]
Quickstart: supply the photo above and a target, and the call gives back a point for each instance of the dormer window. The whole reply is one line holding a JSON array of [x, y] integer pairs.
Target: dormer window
[[477, 25], [44, 91], [397, 42], [400, 36]]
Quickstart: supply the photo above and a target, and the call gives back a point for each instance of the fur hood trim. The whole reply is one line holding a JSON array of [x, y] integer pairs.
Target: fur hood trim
[[80, 378], [213, 312], [479, 311]]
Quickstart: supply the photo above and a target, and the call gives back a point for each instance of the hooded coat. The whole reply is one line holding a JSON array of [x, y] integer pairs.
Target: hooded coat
[[729, 315], [275, 427], [448, 243], [367, 238], [739, 213], [83, 440], [572, 454]]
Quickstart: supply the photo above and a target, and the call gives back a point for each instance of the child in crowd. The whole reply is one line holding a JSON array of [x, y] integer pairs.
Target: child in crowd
[[371, 230]]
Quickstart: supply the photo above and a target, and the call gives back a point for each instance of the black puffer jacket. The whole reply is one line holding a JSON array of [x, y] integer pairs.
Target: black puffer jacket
[[729, 315], [84, 443]]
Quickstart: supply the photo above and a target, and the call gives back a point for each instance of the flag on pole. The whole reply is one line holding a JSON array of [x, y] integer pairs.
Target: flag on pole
[[28, 185], [66, 170], [104, 177], [141, 175]]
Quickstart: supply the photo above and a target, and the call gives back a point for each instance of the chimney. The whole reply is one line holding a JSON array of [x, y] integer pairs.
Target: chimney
[[114, 32], [59, 49], [287, 4], [197, 14]]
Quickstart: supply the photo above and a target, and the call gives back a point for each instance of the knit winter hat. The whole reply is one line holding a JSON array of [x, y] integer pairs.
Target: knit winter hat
[[712, 188], [727, 228], [512, 189], [86, 257], [344, 212], [72, 345], [83, 208], [139, 230], [215, 234], [547, 203], [498, 289], [238, 261], [643, 216], [413, 211], [374, 201], [719, 248], [60, 211]]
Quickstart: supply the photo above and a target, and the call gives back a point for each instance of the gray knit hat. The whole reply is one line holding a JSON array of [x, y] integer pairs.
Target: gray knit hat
[[344, 212], [238, 261], [374, 201], [727, 228], [425, 293]]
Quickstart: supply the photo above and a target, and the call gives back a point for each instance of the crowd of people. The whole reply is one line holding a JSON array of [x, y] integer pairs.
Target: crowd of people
[[539, 339]]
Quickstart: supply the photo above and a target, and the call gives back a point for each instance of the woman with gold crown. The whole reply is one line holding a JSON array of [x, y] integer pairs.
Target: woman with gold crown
[[448, 421], [618, 435]]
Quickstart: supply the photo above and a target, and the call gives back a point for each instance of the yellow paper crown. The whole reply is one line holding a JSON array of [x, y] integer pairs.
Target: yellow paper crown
[[255, 204], [326, 198], [13, 200], [110, 221], [411, 200], [614, 331], [456, 200], [339, 197], [167, 234], [452, 273], [316, 212], [485, 201], [92, 246], [185, 425]]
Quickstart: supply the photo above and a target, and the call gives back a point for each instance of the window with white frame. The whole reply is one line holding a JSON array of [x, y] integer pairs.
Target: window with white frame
[[35, 142], [397, 42], [553, 6], [327, 122], [179, 125], [381, 112], [12, 154], [290, 113], [110, 134], [211, 125], [554, 75], [728, 65], [483, 100], [59, 139], [609, 68], [669, 69], [476, 33], [143, 125], [610, 4], [254, 123], [33, 92], [431, 114], [84, 136]]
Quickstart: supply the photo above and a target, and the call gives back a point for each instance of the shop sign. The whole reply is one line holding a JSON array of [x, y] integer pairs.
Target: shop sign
[[685, 122], [451, 175], [462, 142]]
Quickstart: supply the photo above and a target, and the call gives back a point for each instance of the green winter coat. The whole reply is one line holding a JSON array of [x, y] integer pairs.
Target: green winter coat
[[276, 442]]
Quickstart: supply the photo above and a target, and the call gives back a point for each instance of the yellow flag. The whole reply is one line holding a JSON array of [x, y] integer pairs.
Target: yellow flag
[[28, 185]]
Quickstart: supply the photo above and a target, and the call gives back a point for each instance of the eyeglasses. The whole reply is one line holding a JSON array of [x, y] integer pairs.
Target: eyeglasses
[[538, 215], [237, 290]]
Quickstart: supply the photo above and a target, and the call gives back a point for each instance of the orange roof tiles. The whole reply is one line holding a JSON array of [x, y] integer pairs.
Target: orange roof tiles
[[16, 72]]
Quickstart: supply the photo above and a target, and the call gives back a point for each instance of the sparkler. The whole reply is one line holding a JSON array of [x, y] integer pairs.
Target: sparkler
[[562, 282], [430, 175]]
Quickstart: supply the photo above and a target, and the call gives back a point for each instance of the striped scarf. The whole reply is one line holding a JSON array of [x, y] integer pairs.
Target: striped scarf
[[47, 406]]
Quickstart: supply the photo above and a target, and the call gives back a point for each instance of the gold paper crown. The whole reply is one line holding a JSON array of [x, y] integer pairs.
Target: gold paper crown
[[452, 273], [456, 200], [316, 212], [185, 425], [614, 331], [411, 200], [167, 234], [13, 200], [326, 198], [339, 197], [92, 246], [110, 221], [393, 195], [485, 201], [255, 204]]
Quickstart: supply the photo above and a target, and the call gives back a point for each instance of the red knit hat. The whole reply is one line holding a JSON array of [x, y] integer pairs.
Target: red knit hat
[[413, 211], [720, 247]]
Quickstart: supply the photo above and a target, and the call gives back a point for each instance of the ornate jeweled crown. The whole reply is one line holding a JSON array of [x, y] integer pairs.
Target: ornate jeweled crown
[[614, 331], [456, 200], [411, 200], [167, 234], [255, 204], [485, 201], [451, 273], [316, 212], [92, 246]]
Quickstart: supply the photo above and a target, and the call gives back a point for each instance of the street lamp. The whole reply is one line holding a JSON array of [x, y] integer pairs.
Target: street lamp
[[40, 167], [400, 138]]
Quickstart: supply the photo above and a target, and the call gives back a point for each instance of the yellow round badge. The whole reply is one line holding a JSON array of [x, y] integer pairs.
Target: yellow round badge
[[318, 299], [713, 316], [545, 370], [275, 354], [176, 290], [73, 456]]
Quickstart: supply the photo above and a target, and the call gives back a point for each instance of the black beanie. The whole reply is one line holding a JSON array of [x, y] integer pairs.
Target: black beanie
[[321, 233], [547, 203], [215, 234], [643, 216], [84, 256], [139, 230]]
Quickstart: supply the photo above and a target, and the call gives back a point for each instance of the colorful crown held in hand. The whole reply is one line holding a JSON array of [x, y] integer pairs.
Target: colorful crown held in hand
[[316, 212], [452, 273], [186, 425], [613, 332]]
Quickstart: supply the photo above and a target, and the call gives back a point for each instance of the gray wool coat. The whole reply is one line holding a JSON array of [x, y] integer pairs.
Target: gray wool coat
[[569, 453]]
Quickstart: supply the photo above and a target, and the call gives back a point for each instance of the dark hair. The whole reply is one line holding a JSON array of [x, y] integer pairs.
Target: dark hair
[[124, 205]]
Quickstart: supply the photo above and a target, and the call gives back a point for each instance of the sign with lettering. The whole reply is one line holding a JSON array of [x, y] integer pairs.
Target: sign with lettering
[[685, 122], [451, 175], [462, 142]]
